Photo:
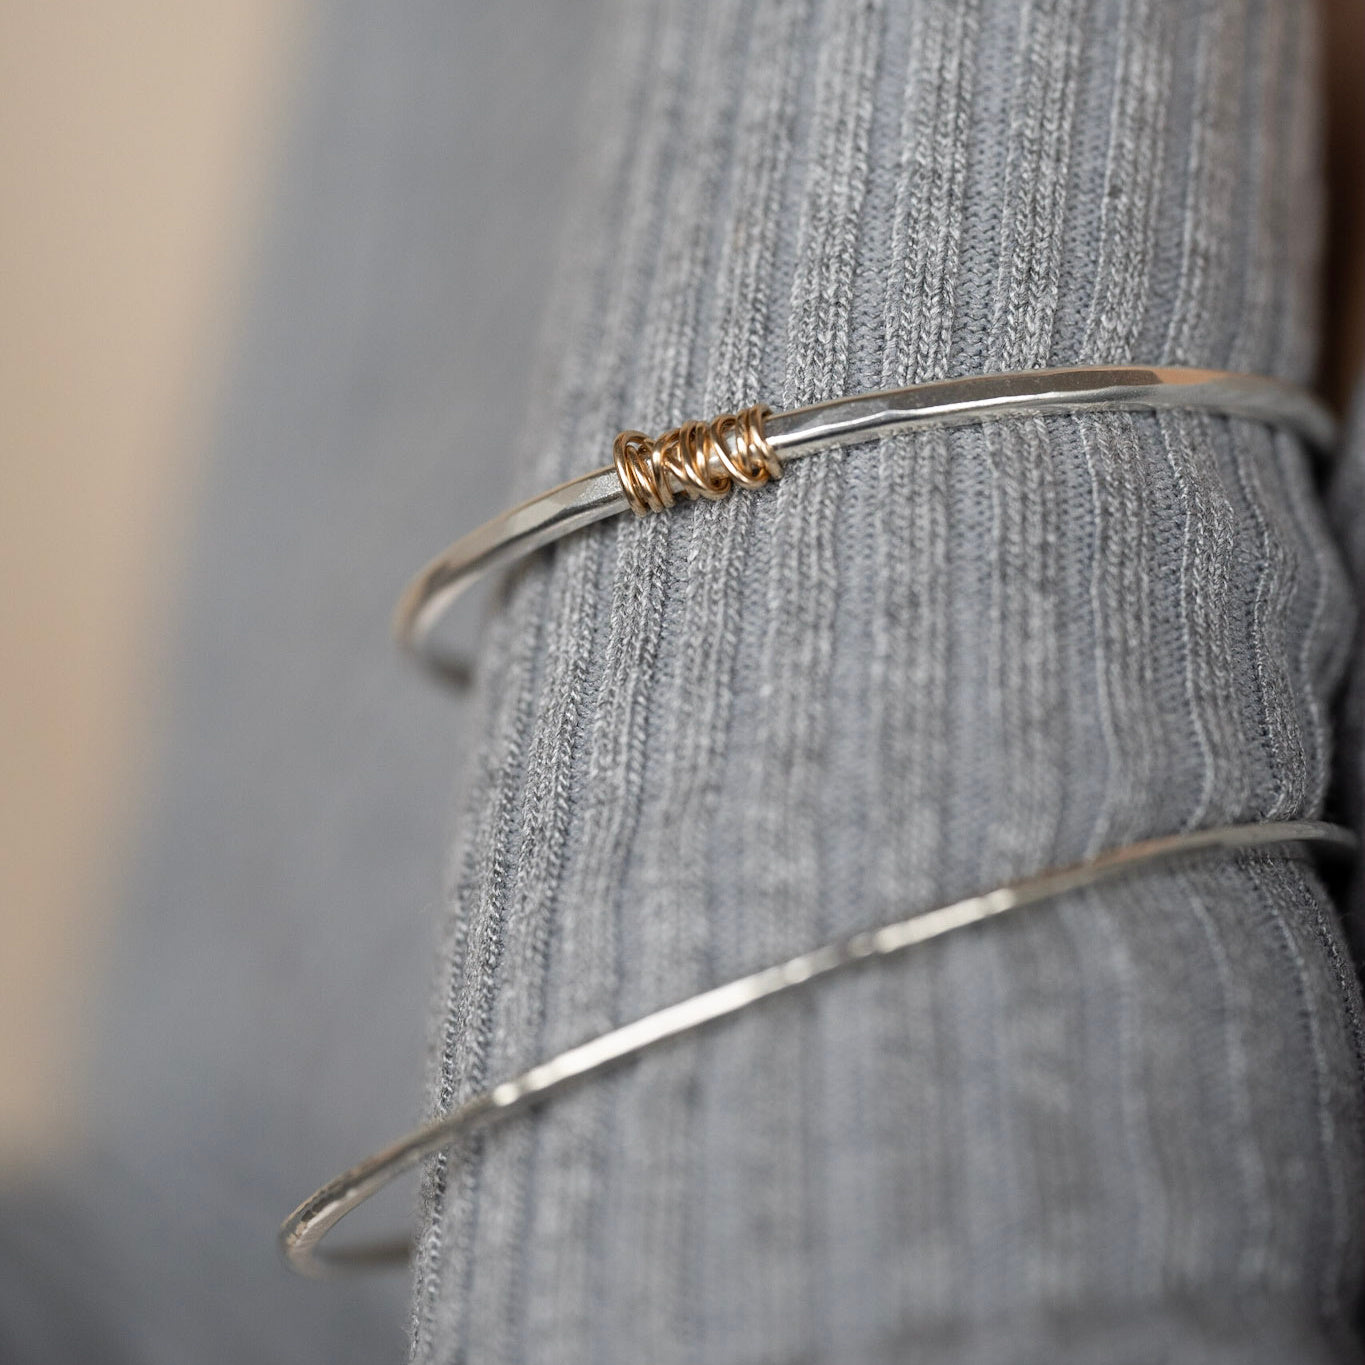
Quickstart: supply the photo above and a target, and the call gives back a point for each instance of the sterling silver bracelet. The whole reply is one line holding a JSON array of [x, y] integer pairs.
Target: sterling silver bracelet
[[305, 1228], [708, 460], [750, 448]]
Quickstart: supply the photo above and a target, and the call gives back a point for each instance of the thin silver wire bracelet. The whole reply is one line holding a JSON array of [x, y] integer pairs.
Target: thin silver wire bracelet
[[304, 1229], [748, 449]]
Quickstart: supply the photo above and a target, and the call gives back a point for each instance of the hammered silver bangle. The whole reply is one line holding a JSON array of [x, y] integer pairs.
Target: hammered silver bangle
[[750, 448], [305, 1228]]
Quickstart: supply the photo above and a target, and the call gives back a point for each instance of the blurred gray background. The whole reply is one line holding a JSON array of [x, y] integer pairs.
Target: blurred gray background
[[249, 1019]]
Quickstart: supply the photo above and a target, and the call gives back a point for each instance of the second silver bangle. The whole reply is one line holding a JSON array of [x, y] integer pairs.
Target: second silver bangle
[[303, 1231]]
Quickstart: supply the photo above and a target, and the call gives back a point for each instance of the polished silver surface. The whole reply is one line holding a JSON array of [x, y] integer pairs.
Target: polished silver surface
[[508, 537], [305, 1228], [943, 403], [1039, 393]]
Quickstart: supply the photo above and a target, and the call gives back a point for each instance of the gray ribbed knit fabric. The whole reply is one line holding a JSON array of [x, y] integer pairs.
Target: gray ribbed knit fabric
[[1346, 503], [1127, 1127]]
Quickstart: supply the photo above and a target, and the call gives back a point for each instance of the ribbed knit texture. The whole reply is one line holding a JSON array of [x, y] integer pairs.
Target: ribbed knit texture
[[1346, 503], [1127, 1126]]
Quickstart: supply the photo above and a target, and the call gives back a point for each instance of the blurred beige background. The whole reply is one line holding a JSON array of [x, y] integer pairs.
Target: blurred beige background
[[136, 145], [136, 148]]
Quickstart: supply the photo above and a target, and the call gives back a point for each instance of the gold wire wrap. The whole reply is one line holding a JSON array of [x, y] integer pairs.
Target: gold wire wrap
[[697, 460]]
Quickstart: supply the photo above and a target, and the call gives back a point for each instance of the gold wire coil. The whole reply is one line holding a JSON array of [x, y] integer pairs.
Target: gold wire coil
[[695, 460]]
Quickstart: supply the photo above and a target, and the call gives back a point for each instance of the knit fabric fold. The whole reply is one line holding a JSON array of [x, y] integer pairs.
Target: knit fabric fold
[[1126, 1126]]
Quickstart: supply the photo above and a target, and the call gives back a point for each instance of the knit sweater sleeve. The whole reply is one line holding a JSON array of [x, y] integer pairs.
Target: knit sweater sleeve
[[1127, 1125]]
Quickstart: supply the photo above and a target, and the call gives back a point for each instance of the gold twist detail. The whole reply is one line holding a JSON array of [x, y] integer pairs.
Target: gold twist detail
[[697, 459]]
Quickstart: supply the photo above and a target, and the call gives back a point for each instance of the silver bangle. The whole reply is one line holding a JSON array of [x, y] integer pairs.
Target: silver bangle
[[305, 1228], [707, 459]]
